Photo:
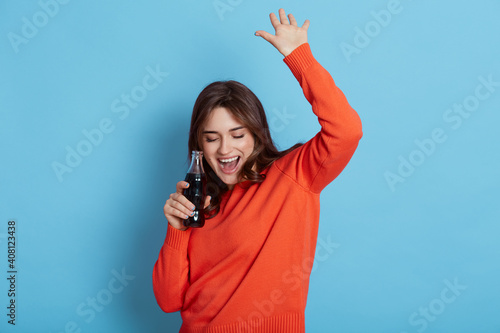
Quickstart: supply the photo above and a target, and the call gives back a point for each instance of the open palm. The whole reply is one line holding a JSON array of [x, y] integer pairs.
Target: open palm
[[288, 35]]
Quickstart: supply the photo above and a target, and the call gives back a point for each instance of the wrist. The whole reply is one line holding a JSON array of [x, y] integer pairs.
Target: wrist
[[177, 238], [287, 52], [178, 227]]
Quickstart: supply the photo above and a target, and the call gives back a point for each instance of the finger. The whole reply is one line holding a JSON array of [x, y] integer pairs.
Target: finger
[[181, 210], [292, 19], [283, 18], [179, 195], [207, 201], [306, 24], [266, 35], [176, 208], [274, 20], [173, 214], [181, 199], [181, 186]]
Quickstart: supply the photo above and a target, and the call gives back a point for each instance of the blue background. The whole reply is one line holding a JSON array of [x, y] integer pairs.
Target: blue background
[[399, 245]]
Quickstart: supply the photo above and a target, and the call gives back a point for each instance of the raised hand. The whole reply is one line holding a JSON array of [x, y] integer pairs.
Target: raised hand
[[178, 207], [288, 35]]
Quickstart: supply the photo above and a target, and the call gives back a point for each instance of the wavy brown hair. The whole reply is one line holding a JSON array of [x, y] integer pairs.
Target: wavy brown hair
[[246, 107]]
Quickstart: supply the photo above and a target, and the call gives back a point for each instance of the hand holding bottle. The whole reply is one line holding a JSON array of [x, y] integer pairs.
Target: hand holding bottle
[[178, 207]]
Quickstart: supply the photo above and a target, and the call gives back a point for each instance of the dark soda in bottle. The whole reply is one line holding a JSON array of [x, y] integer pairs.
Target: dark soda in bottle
[[196, 192]]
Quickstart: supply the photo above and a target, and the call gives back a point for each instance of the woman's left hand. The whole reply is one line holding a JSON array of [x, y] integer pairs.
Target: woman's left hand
[[288, 35]]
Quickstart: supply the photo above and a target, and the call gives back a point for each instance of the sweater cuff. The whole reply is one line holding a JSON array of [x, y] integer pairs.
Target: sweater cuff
[[177, 239], [299, 60]]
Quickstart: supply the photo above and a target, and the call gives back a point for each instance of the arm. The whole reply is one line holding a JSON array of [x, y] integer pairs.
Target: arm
[[171, 270], [320, 160], [315, 164]]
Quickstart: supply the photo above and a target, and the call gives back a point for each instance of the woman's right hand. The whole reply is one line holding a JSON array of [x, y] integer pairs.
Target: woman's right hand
[[178, 207]]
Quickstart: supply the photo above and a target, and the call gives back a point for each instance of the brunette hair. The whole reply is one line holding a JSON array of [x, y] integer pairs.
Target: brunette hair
[[246, 107]]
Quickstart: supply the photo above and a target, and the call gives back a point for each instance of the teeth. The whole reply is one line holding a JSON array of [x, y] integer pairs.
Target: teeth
[[228, 159]]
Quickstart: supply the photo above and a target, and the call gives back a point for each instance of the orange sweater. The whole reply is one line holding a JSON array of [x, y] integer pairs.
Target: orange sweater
[[247, 269]]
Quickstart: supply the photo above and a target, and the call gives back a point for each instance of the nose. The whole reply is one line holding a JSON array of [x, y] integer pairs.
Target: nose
[[224, 147]]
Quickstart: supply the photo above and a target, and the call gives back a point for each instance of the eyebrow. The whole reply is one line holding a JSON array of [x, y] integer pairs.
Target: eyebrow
[[232, 129]]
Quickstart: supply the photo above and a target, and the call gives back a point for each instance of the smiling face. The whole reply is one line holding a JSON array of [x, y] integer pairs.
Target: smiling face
[[227, 144]]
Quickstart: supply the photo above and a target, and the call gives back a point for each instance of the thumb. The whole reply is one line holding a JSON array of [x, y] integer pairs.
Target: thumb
[[266, 35], [207, 201]]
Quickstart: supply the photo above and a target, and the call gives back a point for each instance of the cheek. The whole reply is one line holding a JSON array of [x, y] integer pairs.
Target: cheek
[[207, 148], [209, 153], [249, 146]]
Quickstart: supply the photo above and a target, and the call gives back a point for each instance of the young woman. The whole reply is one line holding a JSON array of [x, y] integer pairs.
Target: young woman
[[248, 268]]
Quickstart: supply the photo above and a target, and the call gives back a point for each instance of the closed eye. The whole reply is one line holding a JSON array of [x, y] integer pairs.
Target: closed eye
[[207, 139]]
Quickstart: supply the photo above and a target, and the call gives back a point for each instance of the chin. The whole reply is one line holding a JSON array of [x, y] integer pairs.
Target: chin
[[229, 180]]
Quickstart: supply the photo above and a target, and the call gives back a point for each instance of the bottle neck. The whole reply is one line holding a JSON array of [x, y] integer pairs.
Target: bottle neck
[[196, 162]]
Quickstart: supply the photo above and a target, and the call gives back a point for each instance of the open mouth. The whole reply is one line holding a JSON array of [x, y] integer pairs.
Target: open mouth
[[229, 165]]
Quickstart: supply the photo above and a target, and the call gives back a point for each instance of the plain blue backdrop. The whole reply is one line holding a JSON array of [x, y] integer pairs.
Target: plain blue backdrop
[[95, 102]]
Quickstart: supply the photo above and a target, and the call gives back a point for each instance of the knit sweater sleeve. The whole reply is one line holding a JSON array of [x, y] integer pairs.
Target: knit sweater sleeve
[[321, 159], [171, 270]]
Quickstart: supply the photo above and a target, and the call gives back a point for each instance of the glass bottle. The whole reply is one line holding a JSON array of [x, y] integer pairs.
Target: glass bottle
[[196, 192]]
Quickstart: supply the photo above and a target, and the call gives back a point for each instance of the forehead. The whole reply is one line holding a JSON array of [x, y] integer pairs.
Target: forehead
[[221, 120]]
